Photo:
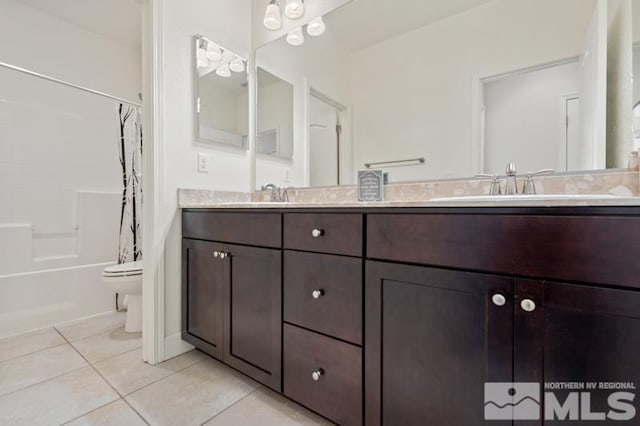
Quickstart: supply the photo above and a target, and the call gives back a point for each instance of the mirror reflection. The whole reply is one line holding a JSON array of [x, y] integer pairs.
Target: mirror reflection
[[274, 116], [222, 96], [469, 86]]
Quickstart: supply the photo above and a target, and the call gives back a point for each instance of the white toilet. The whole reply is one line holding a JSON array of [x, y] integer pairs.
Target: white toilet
[[126, 280]]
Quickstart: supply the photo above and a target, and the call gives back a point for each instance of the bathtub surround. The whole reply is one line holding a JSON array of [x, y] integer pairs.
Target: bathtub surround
[[60, 187], [130, 150]]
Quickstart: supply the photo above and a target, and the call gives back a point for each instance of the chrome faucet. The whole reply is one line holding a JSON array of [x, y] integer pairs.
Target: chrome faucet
[[275, 192], [511, 182]]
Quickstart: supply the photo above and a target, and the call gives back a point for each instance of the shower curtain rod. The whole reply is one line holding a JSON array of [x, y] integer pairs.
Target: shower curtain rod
[[66, 83]]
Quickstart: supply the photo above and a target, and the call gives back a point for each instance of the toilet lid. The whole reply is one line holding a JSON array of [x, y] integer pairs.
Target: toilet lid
[[123, 269]]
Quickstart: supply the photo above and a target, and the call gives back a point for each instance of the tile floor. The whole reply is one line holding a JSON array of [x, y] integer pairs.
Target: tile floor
[[90, 372]]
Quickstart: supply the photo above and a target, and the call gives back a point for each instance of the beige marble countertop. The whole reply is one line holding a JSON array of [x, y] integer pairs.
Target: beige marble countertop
[[621, 201]]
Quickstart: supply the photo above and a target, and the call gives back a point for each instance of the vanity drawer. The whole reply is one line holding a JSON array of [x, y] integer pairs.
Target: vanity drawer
[[336, 307], [596, 249], [337, 394], [256, 229], [335, 233]]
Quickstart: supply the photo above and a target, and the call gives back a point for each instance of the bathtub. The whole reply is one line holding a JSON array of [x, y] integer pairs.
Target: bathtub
[[37, 299]]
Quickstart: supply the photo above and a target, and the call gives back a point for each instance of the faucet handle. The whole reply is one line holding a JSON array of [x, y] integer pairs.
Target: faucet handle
[[494, 189], [529, 186], [541, 172]]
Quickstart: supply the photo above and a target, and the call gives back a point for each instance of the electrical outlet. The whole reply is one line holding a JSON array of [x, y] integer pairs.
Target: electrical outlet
[[203, 163], [286, 175]]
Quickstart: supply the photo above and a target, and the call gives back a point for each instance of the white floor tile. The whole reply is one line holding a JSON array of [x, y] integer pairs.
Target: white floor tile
[[107, 345], [128, 373], [57, 400], [18, 373], [191, 396], [85, 327], [266, 408], [22, 344], [118, 413]]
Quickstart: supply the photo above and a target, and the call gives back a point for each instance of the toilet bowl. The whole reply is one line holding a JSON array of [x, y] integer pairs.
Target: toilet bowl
[[126, 280]]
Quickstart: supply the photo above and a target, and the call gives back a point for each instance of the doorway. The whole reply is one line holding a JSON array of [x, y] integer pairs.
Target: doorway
[[532, 118], [325, 141]]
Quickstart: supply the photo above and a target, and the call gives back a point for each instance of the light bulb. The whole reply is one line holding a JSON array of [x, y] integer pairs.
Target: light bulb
[[214, 53], [272, 19], [294, 9], [201, 56], [316, 27], [295, 37], [224, 71], [237, 65]]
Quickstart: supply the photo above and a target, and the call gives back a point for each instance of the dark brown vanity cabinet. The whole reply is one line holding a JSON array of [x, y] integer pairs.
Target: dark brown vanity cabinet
[[202, 296], [232, 297], [400, 316], [323, 281], [434, 336]]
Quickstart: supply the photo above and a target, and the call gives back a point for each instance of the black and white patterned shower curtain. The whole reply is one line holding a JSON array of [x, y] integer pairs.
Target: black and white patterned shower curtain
[[130, 148]]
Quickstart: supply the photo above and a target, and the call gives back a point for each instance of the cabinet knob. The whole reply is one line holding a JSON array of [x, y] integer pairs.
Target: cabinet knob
[[223, 255], [316, 233], [528, 305], [316, 294], [498, 299], [216, 254], [317, 374]]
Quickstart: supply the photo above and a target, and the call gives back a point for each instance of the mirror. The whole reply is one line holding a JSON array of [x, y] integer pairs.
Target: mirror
[[466, 86], [274, 116], [221, 95]]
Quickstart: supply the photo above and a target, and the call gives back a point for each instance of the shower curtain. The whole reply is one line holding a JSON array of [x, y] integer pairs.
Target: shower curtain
[[130, 148]]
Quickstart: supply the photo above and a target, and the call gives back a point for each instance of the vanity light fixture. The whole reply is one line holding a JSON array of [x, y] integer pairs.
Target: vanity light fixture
[[295, 37], [294, 9], [272, 18], [214, 53], [316, 27], [223, 71], [237, 65]]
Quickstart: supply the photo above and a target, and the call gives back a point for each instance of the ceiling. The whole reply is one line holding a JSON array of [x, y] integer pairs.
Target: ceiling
[[118, 20], [363, 23]]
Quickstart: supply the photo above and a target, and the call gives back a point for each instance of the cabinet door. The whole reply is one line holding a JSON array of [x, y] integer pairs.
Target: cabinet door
[[253, 312], [433, 337], [202, 296], [580, 334]]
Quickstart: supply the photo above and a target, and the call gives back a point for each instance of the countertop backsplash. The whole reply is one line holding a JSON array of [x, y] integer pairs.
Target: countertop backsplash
[[621, 182]]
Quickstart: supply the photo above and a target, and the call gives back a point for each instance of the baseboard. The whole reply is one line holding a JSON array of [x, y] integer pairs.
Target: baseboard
[[174, 346]]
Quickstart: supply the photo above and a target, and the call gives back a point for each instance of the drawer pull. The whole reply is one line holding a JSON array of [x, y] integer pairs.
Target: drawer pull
[[317, 233], [528, 305], [316, 294], [317, 374], [498, 299], [223, 255]]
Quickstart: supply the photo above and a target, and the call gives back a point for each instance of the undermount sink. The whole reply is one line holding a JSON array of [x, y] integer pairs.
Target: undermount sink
[[527, 197]]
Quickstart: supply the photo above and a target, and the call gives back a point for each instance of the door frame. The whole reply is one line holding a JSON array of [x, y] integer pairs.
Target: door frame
[[478, 109], [564, 128], [345, 150]]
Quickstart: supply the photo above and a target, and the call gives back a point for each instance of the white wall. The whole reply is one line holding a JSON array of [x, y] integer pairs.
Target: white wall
[[322, 64], [275, 111], [229, 24], [429, 73], [60, 181], [524, 119], [35, 40]]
